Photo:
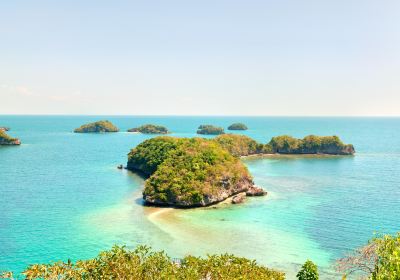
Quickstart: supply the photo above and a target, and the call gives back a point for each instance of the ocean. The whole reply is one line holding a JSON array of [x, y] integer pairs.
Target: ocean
[[62, 196]]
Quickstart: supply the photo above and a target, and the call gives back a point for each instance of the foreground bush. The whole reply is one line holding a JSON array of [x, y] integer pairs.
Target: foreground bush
[[144, 264], [378, 260], [309, 271]]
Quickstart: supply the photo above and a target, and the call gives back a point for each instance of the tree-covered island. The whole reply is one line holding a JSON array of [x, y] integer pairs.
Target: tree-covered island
[[97, 127], [189, 172], [209, 129], [150, 129], [237, 126]]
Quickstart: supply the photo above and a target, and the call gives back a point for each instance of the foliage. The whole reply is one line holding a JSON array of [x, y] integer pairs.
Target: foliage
[[379, 259], [149, 154], [192, 173], [309, 271], [311, 144], [239, 145], [210, 129], [142, 263], [237, 126], [150, 129], [99, 126]]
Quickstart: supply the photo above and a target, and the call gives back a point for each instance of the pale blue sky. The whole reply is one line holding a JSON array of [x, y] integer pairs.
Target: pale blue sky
[[219, 57]]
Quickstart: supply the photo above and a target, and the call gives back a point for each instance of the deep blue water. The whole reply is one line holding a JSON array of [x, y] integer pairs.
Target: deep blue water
[[61, 195]]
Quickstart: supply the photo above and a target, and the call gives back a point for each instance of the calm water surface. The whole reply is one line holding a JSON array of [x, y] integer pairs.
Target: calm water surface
[[62, 197]]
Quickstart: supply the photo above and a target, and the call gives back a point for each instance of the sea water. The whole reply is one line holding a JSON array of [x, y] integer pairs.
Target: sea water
[[62, 197]]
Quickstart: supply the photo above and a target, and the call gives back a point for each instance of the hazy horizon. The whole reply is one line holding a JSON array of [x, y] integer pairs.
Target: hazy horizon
[[208, 58]]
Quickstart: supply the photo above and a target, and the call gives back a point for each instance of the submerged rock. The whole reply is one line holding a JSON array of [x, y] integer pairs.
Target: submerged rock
[[239, 198], [255, 191]]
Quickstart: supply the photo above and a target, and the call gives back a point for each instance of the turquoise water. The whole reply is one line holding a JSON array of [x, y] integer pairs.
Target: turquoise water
[[63, 197]]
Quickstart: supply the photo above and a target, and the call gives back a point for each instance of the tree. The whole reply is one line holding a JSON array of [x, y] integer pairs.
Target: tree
[[308, 271]]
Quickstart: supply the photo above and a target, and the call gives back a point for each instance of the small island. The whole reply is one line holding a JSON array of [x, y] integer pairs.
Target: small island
[[97, 127], [237, 126], [5, 139], [150, 129], [208, 129], [189, 172]]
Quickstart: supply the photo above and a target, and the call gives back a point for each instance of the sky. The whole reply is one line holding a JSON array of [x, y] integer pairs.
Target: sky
[[200, 57]]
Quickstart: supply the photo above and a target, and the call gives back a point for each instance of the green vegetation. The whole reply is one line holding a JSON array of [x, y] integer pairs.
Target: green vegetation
[[309, 145], [237, 126], [5, 139], [96, 127], [239, 145], [210, 129], [309, 271], [144, 264], [378, 260], [188, 172], [150, 129], [148, 155]]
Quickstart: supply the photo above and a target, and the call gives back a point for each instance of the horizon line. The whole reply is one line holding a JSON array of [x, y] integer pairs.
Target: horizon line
[[139, 115]]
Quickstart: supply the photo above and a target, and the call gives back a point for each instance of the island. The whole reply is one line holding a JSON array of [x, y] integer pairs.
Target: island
[[97, 127], [240, 145], [5, 139], [150, 129], [237, 126], [189, 172], [3, 128], [210, 129], [311, 144]]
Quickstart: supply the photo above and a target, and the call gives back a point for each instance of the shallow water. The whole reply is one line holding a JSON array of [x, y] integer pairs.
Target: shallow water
[[62, 196]]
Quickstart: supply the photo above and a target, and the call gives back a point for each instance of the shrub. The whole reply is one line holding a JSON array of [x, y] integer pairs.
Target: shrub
[[142, 263], [309, 271], [378, 260]]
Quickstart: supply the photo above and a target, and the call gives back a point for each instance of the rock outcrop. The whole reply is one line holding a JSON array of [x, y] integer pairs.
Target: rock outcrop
[[255, 191], [239, 198], [5, 139]]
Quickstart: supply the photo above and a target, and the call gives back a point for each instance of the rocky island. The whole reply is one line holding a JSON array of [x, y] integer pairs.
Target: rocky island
[[210, 129], [150, 129], [193, 172], [97, 127], [5, 139], [237, 126], [189, 172]]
